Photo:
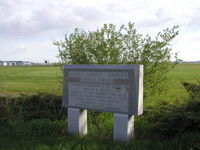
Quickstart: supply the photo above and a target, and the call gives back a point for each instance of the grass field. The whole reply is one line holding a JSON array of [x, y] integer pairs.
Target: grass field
[[186, 72], [30, 79], [44, 134]]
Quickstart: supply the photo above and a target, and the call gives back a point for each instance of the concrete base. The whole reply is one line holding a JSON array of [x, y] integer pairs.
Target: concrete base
[[77, 121], [123, 127]]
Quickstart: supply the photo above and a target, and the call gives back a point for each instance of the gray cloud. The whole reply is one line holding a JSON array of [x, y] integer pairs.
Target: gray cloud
[[88, 13], [194, 18], [27, 20], [158, 19]]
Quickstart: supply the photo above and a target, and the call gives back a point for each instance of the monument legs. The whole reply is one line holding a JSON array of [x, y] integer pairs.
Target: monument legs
[[77, 121], [123, 124], [123, 127]]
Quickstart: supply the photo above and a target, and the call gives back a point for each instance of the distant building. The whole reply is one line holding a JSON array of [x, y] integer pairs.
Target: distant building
[[16, 63], [6, 63], [28, 63]]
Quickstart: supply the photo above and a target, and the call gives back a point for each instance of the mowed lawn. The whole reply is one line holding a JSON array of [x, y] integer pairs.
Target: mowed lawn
[[184, 72], [32, 79]]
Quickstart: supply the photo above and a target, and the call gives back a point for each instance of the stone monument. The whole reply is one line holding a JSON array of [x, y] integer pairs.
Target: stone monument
[[105, 88]]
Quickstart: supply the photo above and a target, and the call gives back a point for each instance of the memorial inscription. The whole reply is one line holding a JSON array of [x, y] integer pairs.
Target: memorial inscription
[[93, 96]]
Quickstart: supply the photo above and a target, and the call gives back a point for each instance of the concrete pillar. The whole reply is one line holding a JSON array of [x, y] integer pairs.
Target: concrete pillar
[[123, 127], [77, 121]]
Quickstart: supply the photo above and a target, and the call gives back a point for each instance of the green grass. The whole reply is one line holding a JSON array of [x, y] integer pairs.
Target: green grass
[[185, 72], [30, 79], [33, 79]]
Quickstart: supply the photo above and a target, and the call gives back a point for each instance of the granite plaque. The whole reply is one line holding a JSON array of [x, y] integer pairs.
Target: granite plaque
[[109, 88]]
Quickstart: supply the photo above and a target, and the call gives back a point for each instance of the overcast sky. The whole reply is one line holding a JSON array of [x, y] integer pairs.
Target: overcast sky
[[28, 27]]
